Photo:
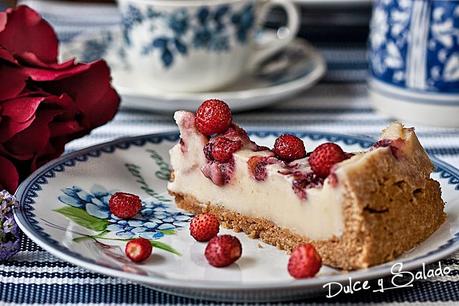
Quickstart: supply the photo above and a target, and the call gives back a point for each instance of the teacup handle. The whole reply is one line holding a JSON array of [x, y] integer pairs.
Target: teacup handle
[[265, 50]]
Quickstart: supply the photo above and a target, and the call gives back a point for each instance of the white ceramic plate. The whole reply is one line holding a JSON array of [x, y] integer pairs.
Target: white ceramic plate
[[63, 208], [295, 69]]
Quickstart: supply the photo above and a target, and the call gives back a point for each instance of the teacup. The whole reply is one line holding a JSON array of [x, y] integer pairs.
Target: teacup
[[198, 45], [414, 60]]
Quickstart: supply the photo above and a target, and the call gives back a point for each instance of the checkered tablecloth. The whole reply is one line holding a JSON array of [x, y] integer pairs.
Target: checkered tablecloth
[[339, 103]]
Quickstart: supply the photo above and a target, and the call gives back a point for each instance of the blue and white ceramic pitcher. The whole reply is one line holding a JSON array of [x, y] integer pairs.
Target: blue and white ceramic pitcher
[[414, 60]]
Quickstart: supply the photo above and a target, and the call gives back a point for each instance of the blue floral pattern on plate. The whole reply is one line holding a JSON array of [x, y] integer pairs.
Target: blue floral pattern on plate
[[154, 220]]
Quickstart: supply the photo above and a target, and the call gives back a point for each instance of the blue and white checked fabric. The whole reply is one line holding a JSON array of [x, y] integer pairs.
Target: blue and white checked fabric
[[339, 103]]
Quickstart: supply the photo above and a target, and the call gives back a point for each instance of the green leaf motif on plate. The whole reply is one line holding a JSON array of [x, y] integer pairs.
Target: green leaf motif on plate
[[168, 232], [135, 171], [81, 217], [164, 246], [164, 172]]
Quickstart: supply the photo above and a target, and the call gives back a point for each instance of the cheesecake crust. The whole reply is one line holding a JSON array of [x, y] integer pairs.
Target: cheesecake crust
[[354, 250]]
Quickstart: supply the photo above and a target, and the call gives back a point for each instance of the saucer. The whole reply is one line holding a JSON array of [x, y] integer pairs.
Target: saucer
[[294, 69]]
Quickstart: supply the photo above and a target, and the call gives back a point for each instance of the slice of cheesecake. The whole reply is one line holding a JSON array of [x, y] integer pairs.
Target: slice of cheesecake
[[371, 207]]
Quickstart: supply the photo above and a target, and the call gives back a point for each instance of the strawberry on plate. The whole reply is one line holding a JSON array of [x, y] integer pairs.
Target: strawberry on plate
[[138, 249], [124, 205], [304, 261], [204, 226], [221, 251]]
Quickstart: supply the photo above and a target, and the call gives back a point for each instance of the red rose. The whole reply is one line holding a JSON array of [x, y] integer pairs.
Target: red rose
[[44, 104]]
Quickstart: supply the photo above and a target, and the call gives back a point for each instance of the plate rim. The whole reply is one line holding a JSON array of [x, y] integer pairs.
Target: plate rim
[[442, 251]]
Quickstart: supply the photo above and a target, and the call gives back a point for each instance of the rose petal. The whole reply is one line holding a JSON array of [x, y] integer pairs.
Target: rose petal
[[22, 167], [10, 128], [91, 91], [21, 109], [9, 177], [108, 107], [31, 59], [51, 151], [3, 19], [65, 128], [24, 30], [28, 143], [47, 74], [64, 101], [7, 56], [34, 141], [16, 115], [12, 81]]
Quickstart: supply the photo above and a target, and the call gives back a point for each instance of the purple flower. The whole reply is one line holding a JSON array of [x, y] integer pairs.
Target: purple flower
[[10, 235], [8, 225]]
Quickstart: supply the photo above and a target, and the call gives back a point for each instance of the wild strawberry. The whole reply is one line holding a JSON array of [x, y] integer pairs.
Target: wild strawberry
[[289, 147], [257, 167], [204, 226], [138, 249], [324, 157], [394, 144], [208, 151], [303, 181], [304, 261], [213, 117], [223, 148], [124, 205], [235, 132], [221, 251], [219, 173], [258, 148], [348, 155]]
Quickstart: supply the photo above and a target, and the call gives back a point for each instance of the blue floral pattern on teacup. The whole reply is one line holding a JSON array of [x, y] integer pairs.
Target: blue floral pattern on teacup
[[415, 44], [132, 17], [152, 222], [213, 29]]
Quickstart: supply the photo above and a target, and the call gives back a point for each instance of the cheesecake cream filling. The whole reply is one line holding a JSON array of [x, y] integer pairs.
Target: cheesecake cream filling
[[318, 217]]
